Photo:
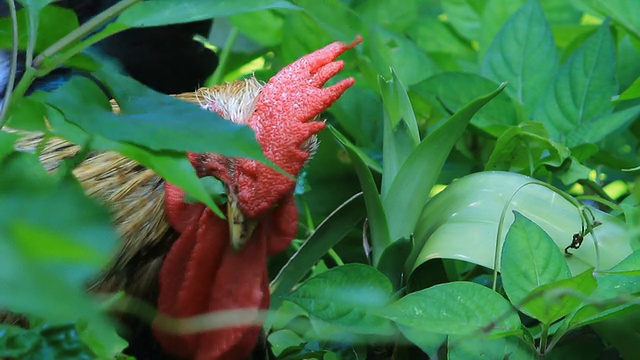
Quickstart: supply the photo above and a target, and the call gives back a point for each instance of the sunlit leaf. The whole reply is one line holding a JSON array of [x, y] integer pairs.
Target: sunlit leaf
[[462, 221]]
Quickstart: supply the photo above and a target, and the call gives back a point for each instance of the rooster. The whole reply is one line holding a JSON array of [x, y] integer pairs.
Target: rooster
[[180, 255]]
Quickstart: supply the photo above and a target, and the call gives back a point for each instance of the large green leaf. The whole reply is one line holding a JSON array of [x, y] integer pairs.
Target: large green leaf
[[150, 119], [524, 54], [410, 189], [162, 12], [582, 90], [347, 296], [171, 166], [455, 308], [462, 221], [53, 240], [510, 347]]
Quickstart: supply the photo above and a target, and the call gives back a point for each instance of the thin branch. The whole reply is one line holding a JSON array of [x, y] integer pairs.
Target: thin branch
[[84, 30], [216, 78], [14, 63]]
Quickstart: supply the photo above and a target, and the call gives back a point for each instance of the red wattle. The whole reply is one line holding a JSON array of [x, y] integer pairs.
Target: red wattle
[[202, 274]]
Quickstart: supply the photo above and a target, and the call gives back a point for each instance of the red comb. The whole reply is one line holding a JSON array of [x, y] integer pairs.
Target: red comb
[[288, 102]]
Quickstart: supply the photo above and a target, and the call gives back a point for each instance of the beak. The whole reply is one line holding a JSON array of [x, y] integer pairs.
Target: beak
[[240, 228]]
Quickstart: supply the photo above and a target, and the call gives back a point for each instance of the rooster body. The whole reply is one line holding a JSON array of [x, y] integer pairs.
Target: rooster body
[[180, 256]]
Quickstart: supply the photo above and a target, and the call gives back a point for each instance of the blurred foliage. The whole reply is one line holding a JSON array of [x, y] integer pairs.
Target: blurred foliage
[[526, 113]]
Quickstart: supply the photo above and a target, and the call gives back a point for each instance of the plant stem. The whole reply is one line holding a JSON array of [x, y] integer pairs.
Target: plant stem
[[13, 67], [216, 78], [84, 30], [39, 68], [543, 339]]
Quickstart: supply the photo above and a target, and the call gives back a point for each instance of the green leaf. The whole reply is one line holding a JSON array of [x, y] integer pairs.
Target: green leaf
[[411, 187], [337, 19], [347, 296], [53, 240], [263, 27], [172, 166], [401, 135], [555, 300], [162, 12], [598, 128], [623, 12], [27, 114], [392, 262], [380, 238], [52, 23], [510, 347], [464, 16], [387, 49], [526, 147], [529, 260], [59, 342], [389, 15], [621, 332], [455, 89], [150, 119], [615, 286], [15, 341], [455, 308], [495, 14], [428, 342], [632, 92], [582, 89], [284, 340], [524, 54], [333, 229], [103, 341], [6, 143]]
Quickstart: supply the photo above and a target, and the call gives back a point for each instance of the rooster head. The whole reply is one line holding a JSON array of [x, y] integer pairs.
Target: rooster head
[[216, 265]]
